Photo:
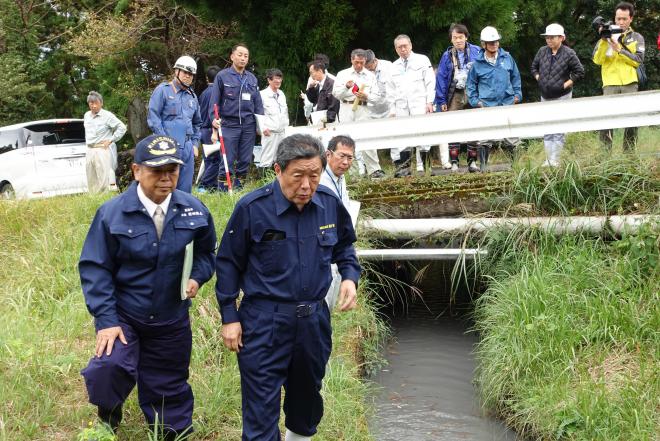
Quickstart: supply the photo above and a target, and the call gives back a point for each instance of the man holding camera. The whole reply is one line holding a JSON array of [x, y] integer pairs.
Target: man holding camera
[[619, 52]]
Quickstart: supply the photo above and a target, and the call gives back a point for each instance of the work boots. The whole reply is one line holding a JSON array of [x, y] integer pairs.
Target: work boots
[[238, 182], [402, 165]]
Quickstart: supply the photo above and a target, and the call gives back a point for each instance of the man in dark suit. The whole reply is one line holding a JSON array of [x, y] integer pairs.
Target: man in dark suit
[[320, 91]]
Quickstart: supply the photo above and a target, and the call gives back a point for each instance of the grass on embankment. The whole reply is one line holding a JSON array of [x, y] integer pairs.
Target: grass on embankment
[[570, 335], [47, 336]]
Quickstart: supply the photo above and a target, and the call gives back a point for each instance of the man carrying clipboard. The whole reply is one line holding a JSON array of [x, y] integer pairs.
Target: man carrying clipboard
[[131, 270]]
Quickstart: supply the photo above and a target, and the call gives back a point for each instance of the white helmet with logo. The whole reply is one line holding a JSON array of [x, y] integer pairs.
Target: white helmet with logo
[[187, 64], [489, 33]]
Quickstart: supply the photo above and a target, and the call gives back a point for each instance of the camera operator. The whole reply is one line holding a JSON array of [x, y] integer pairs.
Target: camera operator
[[619, 54]]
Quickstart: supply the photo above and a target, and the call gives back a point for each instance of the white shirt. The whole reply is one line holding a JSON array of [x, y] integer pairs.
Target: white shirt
[[102, 126], [276, 112], [379, 107], [411, 84], [364, 78], [151, 205], [337, 184]]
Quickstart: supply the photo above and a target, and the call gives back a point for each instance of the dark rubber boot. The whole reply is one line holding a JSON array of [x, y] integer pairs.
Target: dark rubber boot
[[402, 165], [426, 160], [454, 150], [238, 181]]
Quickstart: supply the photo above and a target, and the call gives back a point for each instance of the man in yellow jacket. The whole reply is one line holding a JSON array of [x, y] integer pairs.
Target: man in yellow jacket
[[619, 55]]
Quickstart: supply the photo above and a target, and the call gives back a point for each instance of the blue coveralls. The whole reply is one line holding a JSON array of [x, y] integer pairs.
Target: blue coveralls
[[175, 113], [209, 179], [281, 258], [238, 100], [131, 279]]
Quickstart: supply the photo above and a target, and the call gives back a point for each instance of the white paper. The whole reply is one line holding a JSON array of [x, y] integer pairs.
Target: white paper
[[187, 269], [354, 211]]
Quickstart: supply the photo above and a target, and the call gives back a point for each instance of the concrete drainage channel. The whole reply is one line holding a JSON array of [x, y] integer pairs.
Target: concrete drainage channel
[[426, 391]]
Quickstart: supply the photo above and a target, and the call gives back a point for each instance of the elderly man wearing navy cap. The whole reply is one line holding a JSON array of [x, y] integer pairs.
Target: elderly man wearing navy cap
[[131, 271]]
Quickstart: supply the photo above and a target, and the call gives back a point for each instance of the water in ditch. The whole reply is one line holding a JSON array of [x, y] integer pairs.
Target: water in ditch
[[426, 391]]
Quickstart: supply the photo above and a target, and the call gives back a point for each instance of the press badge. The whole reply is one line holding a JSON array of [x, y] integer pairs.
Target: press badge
[[246, 96]]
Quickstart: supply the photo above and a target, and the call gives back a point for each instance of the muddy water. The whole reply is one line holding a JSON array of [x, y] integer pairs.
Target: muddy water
[[426, 388]]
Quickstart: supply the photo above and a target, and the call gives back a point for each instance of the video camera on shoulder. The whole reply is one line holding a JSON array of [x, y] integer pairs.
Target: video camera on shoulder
[[605, 29]]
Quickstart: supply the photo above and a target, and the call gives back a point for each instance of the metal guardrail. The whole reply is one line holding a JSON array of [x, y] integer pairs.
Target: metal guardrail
[[531, 120]]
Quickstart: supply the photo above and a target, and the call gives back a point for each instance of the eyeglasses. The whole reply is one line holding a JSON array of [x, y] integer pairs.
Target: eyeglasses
[[343, 156]]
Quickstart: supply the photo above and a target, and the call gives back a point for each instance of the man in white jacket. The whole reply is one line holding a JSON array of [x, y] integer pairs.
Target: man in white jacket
[[275, 119], [410, 91], [355, 88]]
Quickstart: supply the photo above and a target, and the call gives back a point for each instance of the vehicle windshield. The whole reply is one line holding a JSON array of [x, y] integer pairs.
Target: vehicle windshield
[[71, 132]]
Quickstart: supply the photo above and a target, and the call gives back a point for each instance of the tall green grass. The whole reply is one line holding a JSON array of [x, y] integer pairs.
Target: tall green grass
[[47, 337], [570, 334], [616, 185]]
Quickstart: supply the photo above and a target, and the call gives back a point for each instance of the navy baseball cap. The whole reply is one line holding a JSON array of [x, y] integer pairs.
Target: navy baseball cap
[[157, 150]]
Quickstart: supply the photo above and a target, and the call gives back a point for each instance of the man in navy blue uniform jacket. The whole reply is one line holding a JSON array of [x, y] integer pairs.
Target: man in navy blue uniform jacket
[[131, 270], [277, 248], [236, 93]]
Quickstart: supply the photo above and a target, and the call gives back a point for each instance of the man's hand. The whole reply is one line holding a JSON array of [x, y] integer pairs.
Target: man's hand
[[192, 288], [266, 132], [614, 43], [106, 143], [362, 96], [537, 76], [516, 100], [391, 115], [568, 83], [216, 123], [196, 151], [105, 339], [347, 295], [480, 104], [214, 136], [443, 107], [232, 334], [349, 84], [429, 107]]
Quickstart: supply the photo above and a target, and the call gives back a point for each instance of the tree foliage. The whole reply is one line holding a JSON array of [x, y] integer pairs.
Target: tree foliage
[[56, 51]]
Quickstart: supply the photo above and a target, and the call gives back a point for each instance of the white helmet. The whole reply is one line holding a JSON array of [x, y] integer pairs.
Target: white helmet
[[186, 63], [489, 33]]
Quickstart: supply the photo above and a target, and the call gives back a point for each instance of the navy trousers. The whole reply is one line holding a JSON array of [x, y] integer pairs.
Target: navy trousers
[[186, 170], [239, 144], [283, 345], [211, 167], [157, 358]]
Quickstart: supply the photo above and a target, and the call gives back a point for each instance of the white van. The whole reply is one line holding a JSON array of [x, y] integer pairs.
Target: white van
[[42, 159]]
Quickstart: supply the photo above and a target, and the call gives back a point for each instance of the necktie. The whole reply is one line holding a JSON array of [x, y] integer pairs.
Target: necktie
[[159, 219], [405, 64]]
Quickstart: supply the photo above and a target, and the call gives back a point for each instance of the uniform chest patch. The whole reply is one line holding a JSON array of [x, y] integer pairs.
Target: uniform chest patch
[[189, 212]]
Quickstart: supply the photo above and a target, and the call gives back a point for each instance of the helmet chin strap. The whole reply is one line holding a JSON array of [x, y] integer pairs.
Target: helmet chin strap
[[181, 81]]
